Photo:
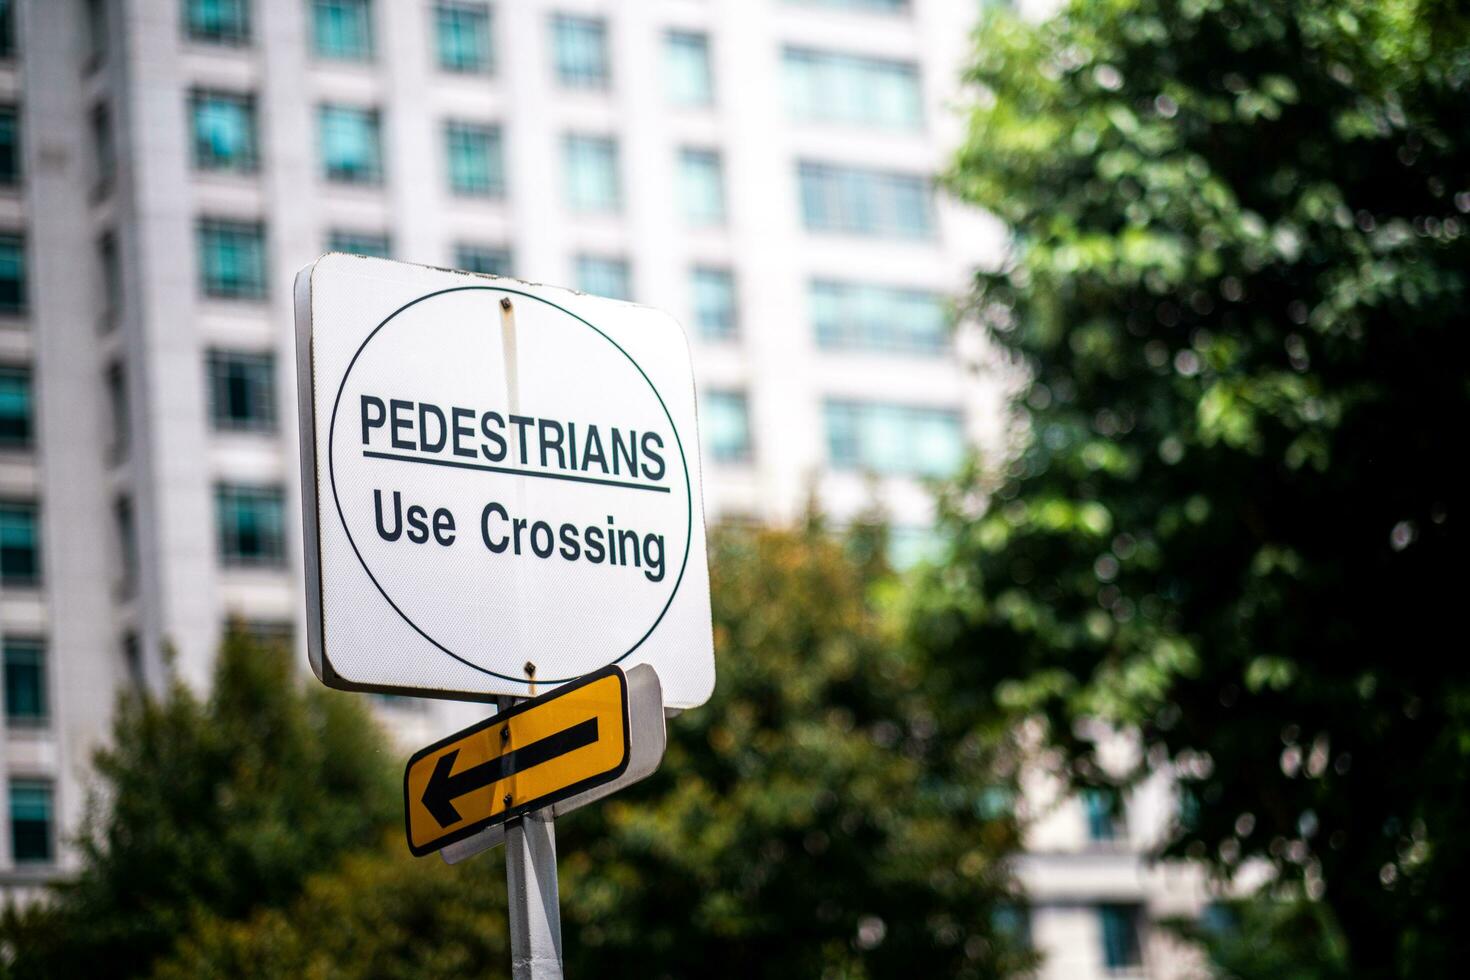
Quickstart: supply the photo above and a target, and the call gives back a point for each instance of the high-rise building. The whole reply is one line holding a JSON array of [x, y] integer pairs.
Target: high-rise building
[[763, 168]]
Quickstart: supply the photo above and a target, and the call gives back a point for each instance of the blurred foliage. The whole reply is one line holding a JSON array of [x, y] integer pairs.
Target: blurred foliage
[[806, 822], [382, 915], [1270, 938], [209, 808], [1237, 523]]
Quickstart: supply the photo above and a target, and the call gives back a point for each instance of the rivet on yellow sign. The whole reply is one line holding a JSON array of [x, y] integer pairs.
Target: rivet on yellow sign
[[522, 759]]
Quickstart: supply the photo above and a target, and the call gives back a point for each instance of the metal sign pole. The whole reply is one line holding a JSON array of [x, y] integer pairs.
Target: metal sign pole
[[532, 898], [535, 911]]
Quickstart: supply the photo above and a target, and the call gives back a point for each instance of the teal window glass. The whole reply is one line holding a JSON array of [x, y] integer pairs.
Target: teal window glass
[[1014, 923], [909, 546], [856, 201], [232, 259], [224, 131], [1103, 812], [1121, 947], [242, 390], [12, 274], [604, 276], [593, 182], [838, 88], [360, 243], [251, 525], [579, 51], [714, 303], [895, 440], [724, 419], [342, 29], [217, 21], [25, 681], [476, 159], [10, 152], [492, 260], [860, 316], [702, 187], [20, 545], [16, 407], [32, 830], [462, 34], [351, 144], [7, 29], [687, 67]]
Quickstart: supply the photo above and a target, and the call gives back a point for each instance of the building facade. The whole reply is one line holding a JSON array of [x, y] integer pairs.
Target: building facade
[[763, 169]]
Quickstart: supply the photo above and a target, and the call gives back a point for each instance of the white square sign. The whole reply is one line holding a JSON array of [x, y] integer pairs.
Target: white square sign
[[501, 485]]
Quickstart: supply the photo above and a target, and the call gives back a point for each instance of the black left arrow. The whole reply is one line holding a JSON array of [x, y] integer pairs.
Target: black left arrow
[[443, 788]]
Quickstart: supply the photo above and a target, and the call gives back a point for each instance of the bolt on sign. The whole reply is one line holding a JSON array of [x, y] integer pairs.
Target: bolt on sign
[[525, 758], [501, 486]]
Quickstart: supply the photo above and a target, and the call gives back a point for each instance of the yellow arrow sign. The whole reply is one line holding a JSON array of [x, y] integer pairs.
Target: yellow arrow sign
[[522, 759]]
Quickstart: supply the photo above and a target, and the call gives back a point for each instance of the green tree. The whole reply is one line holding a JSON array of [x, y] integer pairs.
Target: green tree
[[213, 806], [1237, 289], [808, 821]]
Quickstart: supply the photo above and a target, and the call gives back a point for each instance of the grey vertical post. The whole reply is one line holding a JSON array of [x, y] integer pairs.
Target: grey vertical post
[[531, 895], [535, 912]]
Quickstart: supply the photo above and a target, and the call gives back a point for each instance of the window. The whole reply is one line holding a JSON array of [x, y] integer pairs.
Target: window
[[132, 650], [702, 187], [825, 87], [342, 29], [714, 303], [1012, 922], [111, 274], [12, 273], [463, 33], [686, 62], [232, 259], [117, 398], [856, 316], [32, 840], [580, 51], [603, 276], [488, 259], [224, 130], [270, 632], [242, 391], [10, 153], [360, 243], [251, 525], [20, 548], [16, 427], [593, 183], [854, 201], [351, 150], [7, 28], [96, 30], [104, 151], [217, 21], [127, 544], [476, 167], [901, 440], [725, 422], [1104, 814], [1122, 949], [25, 681], [910, 545]]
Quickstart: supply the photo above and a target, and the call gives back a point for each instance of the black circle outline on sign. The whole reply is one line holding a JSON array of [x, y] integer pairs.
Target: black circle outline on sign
[[683, 461]]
